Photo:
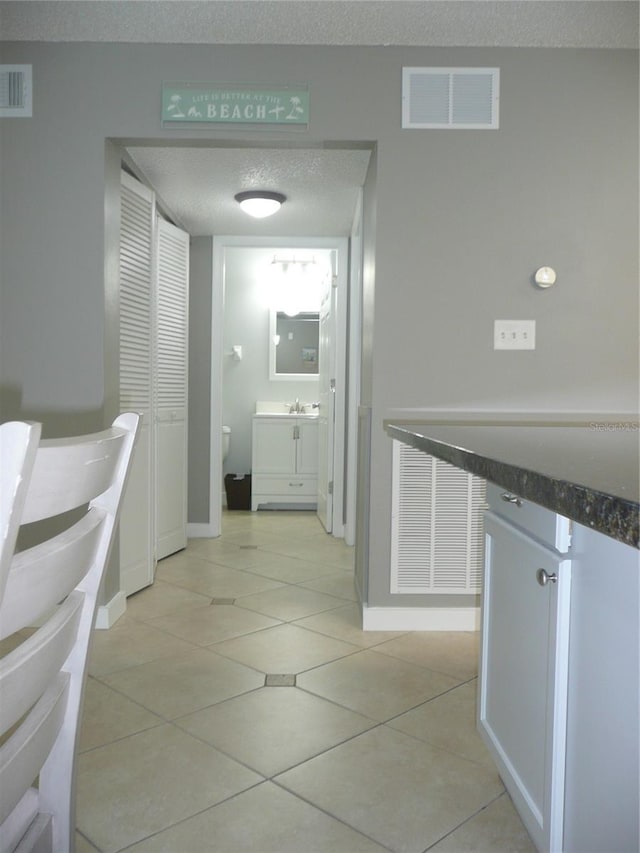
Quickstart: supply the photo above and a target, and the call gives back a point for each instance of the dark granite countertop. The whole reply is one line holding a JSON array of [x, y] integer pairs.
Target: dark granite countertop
[[587, 472]]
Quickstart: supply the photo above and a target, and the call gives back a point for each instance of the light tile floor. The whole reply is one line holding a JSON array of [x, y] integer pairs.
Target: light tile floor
[[184, 748]]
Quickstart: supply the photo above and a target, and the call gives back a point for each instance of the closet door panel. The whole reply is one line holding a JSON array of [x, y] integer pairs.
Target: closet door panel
[[171, 311], [136, 390]]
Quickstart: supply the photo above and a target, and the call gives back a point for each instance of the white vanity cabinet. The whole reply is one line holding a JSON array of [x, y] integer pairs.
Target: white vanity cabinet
[[523, 674], [284, 460]]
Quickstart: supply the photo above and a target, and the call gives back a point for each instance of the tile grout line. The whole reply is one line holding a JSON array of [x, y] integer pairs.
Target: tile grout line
[[273, 778], [191, 817], [328, 813], [465, 821]]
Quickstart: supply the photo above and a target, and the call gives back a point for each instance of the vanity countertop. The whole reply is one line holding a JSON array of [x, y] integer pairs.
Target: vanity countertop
[[280, 409], [588, 472], [287, 415]]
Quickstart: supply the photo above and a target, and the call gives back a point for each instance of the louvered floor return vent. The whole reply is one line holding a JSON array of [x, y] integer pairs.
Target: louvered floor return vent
[[437, 538]]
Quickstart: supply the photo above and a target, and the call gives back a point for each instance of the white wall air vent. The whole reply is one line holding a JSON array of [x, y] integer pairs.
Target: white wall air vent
[[437, 540], [15, 91], [451, 98]]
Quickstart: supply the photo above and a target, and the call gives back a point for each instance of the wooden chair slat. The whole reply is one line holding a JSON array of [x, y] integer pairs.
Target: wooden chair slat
[[25, 672], [22, 756], [56, 583], [18, 447], [67, 475], [41, 576], [13, 829]]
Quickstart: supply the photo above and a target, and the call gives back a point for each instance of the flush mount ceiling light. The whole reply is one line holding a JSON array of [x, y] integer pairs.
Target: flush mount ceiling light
[[260, 203]]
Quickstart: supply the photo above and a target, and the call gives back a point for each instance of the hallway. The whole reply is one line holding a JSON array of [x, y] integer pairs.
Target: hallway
[[237, 706]]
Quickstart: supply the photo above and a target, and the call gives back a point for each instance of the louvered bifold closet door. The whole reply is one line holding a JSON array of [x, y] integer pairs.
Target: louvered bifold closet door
[[436, 525], [171, 397], [137, 227]]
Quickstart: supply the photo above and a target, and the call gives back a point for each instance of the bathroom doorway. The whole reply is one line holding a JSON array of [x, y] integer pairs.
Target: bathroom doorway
[[240, 368]]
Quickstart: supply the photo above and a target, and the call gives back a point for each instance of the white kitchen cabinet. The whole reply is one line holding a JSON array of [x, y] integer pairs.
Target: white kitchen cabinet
[[558, 698], [523, 695], [602, 801], [284, 460]]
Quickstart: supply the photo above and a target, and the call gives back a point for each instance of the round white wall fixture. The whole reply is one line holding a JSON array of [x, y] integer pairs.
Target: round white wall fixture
[[545, 277]]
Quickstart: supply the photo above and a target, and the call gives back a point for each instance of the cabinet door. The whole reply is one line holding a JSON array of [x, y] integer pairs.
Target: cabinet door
[[274, 447], [307, 443], [523, 675]]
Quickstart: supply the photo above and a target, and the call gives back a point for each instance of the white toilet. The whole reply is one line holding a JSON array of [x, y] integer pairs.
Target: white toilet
[[226, 440]]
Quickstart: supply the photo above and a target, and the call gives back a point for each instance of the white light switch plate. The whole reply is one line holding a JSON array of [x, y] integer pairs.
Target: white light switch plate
[[514, 334]]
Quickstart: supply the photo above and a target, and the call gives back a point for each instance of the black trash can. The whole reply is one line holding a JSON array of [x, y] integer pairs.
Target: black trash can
[[238, 489]]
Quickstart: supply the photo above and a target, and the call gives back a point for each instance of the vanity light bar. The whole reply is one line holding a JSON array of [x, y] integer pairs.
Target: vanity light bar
[[293, 261]]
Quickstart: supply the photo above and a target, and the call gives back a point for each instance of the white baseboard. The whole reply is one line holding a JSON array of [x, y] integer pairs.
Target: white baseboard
[[200, 531], [108, 614], [420, 618]]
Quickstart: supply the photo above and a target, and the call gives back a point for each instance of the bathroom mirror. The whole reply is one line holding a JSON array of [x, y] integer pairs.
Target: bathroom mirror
[[293, 345]]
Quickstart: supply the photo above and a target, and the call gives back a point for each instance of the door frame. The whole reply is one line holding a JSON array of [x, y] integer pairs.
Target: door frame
[[354, 358], [220, 244]]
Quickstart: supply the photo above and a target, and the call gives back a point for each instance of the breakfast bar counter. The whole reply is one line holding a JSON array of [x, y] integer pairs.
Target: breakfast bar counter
[[588, 472], [560, 639]]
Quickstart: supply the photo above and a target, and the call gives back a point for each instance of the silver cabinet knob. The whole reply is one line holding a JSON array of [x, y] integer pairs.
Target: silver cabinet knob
[[544, 578], [511, 499]]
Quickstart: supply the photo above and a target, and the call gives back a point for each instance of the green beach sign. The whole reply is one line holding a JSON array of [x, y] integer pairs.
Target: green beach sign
[[205, 103]]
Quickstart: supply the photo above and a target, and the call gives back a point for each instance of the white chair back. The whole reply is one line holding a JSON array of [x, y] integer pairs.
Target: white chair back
[[53, 584]]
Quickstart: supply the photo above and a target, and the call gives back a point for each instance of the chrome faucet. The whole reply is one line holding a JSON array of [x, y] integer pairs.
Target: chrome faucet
[[296, 408]]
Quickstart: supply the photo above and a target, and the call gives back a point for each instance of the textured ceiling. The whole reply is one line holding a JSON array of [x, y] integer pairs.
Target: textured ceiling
[[197, 186], [548, 23]]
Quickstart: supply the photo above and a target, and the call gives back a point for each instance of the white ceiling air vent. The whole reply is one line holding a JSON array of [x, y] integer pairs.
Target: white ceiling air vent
[[450, 98], [15, 91]]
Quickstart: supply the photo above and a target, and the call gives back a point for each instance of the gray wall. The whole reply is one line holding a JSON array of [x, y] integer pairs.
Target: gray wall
[[461, 221], [200, 275]]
